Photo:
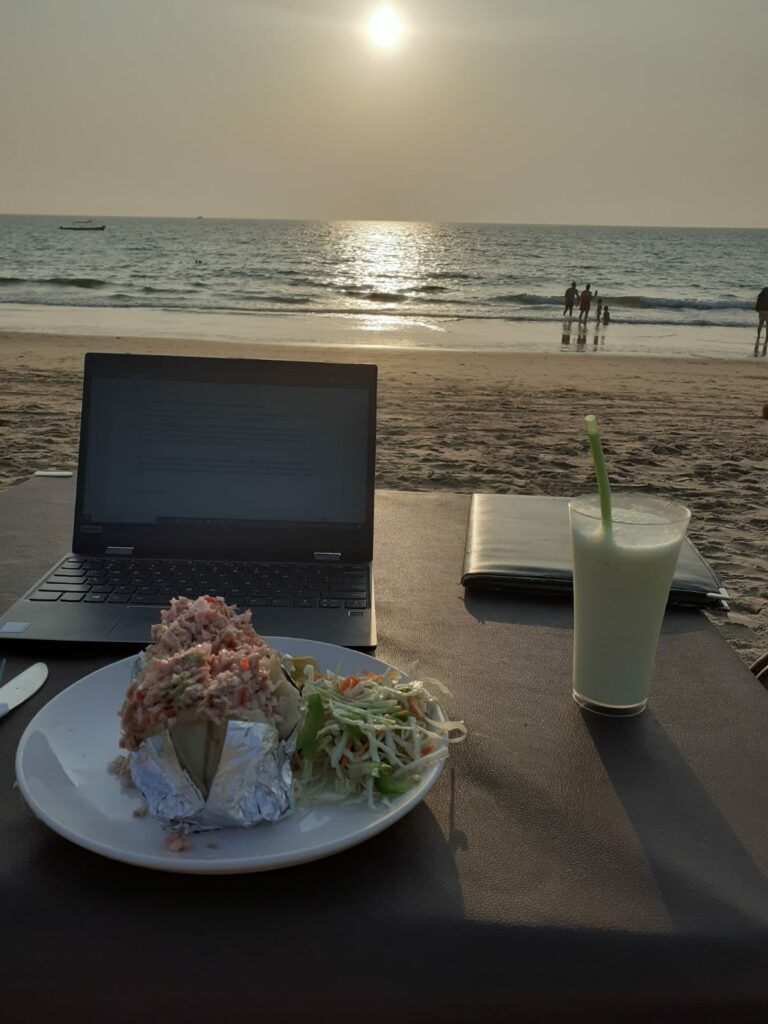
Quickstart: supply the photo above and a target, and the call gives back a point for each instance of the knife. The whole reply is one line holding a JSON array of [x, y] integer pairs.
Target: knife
[[22, 686]]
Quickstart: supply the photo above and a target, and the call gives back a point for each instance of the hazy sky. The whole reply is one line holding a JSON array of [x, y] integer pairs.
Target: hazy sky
[[542, 111]]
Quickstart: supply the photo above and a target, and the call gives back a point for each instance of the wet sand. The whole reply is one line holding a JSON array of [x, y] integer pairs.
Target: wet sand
[[691, 429]]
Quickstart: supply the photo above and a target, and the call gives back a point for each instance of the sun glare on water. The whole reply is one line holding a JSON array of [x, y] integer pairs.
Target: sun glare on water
[[385, 29]]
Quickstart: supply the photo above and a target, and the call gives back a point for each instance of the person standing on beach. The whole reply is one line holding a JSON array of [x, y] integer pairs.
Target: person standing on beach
[[761, 307], [570, 298], [606, 316], [585, 301], [599, 307]]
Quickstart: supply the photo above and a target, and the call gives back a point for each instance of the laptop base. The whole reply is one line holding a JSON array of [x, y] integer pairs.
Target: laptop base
[[120, 625]]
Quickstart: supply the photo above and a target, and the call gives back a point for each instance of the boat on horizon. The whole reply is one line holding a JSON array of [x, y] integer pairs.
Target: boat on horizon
[[82, 225]]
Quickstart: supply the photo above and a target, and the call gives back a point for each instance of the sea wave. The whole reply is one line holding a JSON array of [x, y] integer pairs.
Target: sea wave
[[526, 299], [424, 298], [285, 300], [373, 294], [62, 282], [74, 282], [288, 305], [452, 275], [150, 289], [662, 302], [629, 301]]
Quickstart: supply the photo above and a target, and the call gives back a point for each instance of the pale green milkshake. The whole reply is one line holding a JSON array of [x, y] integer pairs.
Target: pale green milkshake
[[622, 571]]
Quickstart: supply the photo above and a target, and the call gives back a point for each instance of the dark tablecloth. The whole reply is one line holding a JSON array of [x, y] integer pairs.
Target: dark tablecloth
[[564, 866]]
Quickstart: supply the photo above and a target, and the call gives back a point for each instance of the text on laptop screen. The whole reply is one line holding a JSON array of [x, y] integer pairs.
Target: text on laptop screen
[[192, 452]]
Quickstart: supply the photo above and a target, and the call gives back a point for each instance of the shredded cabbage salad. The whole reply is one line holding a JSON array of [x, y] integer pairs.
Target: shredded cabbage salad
[[365, 736]]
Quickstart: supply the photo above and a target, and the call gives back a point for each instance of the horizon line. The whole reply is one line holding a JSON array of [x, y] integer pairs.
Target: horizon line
[[392, 220]]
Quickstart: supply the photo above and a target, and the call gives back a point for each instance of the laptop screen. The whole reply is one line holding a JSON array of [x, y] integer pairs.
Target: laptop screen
[[221, 452]]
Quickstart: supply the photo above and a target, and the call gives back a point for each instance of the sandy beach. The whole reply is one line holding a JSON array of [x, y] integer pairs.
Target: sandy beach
[[691, 429]]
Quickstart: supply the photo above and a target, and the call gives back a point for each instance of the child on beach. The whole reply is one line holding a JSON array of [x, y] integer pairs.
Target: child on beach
[[606, 315], [599, 307]]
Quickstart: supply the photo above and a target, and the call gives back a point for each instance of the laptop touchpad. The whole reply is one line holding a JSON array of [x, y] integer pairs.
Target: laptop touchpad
[[134, 625]]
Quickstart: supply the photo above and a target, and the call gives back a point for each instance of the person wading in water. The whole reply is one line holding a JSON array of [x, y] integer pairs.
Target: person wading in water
[[570, 298], [585, 301], [761, 308]]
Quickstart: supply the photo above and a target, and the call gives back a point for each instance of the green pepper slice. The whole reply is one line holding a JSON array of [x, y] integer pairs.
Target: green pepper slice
[[391, 787], [314, 719]]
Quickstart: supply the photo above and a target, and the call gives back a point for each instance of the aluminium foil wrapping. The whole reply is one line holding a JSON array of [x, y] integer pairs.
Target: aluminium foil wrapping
[[253, 782]]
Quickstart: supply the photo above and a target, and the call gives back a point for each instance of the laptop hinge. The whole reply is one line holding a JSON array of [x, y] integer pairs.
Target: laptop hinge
[[112, 550], [327, 556]]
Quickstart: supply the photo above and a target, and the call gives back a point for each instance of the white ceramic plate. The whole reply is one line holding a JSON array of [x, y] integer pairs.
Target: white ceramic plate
[[61, 767]]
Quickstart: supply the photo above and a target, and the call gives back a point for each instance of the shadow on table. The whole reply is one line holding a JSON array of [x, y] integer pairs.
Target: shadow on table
[[691, 849], [555, 611], [391, 872], [519, 609]]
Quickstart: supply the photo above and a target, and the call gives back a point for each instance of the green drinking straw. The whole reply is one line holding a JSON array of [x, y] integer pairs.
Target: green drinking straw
[[602, 476]]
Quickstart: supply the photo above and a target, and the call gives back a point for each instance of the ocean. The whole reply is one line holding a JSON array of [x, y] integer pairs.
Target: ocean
[[437, 272]]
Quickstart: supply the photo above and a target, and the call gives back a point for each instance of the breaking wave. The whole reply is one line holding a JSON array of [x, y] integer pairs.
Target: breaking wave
[[629, 301], [60, 282]]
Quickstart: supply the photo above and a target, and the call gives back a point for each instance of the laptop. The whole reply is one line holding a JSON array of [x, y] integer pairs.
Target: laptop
[[248, 479]]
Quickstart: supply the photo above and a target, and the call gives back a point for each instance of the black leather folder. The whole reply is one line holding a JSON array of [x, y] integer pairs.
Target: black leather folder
[[522, 543]]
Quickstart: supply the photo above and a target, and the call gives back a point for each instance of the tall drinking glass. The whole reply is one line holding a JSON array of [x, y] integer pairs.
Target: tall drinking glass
[[621, 579]]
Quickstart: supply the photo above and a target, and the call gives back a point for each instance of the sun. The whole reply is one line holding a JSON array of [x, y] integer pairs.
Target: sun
[[385, 29]]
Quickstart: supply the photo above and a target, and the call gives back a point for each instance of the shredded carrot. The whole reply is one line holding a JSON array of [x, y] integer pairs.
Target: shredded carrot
[[244, 664], [348, 683], [414, 708], [428, 749]]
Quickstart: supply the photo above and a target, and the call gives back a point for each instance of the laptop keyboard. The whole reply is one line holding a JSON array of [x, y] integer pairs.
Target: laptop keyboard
[[244, 584]]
